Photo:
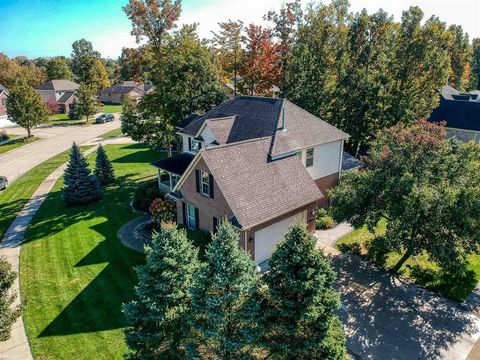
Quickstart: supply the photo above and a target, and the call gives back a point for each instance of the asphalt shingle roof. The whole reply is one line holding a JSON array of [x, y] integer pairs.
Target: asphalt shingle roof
[[58, 85], [67, 95], [256, 117], [4, 89], [457, 111], [350, 162], [175, 164], [221, 128], [256, 189]]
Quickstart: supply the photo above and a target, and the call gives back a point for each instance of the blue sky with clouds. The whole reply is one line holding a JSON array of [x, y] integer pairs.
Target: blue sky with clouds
[[48, 27]]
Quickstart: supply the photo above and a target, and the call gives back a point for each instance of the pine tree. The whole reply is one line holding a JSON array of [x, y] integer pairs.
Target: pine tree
[[299, 314], [8, 315], [73, 112], [103, 167], [158, 312], [224, 309], [80, 186]]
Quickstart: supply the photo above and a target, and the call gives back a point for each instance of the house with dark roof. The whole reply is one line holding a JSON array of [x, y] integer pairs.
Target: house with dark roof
[[260, 163], [58, 94], [4, 121], [132, 89], [461, 112]]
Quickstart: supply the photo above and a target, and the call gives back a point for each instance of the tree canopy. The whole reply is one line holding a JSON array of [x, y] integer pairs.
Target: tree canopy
[[427, 188], [58, 68]]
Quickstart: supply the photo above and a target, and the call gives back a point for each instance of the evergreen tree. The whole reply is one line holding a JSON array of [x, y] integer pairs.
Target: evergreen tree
[[80, 186], [103, 167], [224, 312], [158, 312], [73, 112], [8, 315], [299, 314]]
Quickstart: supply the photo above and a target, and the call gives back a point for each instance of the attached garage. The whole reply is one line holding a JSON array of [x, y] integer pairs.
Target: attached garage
[[4, 122], [266, 239]]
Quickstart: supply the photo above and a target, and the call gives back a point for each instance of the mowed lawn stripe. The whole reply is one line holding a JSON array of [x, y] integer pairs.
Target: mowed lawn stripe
[[75, 274]]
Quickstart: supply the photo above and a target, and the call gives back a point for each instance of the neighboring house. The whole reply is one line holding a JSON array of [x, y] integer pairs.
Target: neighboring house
[[261, 163], [4, 121], [461, 112], [135, 91], [58, 94]]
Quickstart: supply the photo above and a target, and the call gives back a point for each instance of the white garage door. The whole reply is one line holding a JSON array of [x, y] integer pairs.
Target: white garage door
[[4, 122], [267, 238]]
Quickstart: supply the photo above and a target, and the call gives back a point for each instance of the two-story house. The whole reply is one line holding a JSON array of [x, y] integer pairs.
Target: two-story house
[[261, 163], [58, 94]]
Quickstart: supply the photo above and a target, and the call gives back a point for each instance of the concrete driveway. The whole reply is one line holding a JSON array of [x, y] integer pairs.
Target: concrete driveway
[[54, 140], [386, 318]]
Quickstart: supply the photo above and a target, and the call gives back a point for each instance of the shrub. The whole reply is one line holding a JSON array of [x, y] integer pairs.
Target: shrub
[[163, 211], [324, 221], [145, 194]]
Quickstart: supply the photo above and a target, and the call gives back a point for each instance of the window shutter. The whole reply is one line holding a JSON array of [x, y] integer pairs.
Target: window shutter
[[189, 143], [215, 224], [199, 145], [197, 180], [184, 213], [210, 180], [197, 219]]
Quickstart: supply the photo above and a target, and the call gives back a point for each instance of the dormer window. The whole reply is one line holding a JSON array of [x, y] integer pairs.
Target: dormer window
[[194, 145], [309, 159]]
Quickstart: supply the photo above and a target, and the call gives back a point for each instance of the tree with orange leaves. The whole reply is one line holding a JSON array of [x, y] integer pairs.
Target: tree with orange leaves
[[260, 68]]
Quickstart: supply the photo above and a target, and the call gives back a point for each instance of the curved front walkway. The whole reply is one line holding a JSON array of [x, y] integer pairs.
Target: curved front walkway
[[126, 233]]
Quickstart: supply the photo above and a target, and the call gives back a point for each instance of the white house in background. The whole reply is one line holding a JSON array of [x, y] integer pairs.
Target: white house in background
[[4, 121]]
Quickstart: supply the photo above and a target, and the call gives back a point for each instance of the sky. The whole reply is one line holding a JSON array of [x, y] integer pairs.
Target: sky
[[36, 28]]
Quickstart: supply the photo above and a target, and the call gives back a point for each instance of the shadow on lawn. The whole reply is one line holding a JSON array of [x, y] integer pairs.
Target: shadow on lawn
[[390, 319], [114, 285]]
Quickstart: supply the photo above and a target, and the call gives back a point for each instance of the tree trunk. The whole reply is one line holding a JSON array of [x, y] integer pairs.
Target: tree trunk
[[402, 260], [29, 133], [169, 150]]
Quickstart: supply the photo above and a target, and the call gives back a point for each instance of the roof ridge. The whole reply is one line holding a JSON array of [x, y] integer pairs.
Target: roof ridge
[[236, 143]]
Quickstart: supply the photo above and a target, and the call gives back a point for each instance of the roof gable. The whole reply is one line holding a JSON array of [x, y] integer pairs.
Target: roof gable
[[58, 85]]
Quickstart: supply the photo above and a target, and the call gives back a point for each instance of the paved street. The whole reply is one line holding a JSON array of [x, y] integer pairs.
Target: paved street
[[386, 318], [55, 139]]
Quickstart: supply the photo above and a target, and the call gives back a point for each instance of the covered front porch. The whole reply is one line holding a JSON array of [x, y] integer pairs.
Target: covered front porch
[[171, 169]]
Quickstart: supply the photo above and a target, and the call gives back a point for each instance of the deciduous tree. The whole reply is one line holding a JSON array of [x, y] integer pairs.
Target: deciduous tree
[[300, 311], [260, 69], [223, 307], [460, 55], [87, 102], [134, 64], [157, 315], [25, 107], [475, 65], [58, 68], [417, 180]]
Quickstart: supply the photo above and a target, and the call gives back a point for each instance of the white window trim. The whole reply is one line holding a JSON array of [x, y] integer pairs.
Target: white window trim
[[197, 143], [204, 175], [307, 157]]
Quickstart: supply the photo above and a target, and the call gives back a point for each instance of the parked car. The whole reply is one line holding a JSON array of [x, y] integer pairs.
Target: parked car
[[3, 182], [104, 118]]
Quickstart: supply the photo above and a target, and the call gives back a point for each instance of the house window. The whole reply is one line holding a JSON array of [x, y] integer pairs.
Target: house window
[[309, 160], [195, 145], [164, 178], [191, 219], [174, 180], [205, 183]]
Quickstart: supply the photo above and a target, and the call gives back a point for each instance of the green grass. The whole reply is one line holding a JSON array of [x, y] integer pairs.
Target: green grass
[[112, 134], [111, 108], [75, 274], [16, 144], [17, 194], [418, 269]]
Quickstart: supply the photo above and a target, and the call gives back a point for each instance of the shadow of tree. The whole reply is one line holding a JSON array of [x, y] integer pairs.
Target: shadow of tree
[[385, 318]]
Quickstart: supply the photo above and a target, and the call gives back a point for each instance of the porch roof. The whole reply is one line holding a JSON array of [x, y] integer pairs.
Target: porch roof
[[175, 164]]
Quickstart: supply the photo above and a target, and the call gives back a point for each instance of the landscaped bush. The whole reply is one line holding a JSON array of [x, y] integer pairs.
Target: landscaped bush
[[163, 211], [145, 194], [324, 221]]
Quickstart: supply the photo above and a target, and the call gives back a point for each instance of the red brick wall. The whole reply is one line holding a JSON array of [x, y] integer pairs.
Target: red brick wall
[[207, 207], [326, 183]]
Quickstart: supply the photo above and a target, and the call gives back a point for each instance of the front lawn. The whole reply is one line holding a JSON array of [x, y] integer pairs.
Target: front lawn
[[112, 134], [18, 193], [16, 143], [418, 269], [75, 274], [111, 108]]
